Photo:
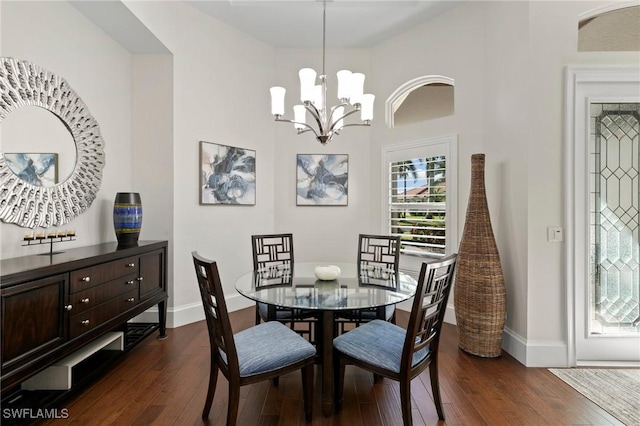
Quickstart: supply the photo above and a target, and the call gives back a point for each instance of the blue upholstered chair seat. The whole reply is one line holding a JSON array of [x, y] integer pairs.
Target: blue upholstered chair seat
[[267, 347], [377, 342], [370, 314]]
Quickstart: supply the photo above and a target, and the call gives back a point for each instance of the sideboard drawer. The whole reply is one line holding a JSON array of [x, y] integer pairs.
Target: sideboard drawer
[[94, 296], [83, 279], [81, 323]]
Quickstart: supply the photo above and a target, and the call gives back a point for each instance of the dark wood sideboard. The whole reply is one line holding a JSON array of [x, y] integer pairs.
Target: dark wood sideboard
[[53, 305]]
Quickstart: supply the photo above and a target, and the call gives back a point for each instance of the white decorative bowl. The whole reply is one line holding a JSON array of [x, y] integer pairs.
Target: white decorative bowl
[[327, 273]]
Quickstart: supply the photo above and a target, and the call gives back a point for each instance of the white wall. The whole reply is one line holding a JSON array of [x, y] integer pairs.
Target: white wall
[[153, 149], [219, 96], [57, 37], [207, 92], [506, 139], [425, 50], [322, 233], [552, 46], [507, 59], [433, 49]]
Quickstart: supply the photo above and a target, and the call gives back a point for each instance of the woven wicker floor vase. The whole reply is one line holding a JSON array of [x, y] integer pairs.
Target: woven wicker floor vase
[[479, 293]]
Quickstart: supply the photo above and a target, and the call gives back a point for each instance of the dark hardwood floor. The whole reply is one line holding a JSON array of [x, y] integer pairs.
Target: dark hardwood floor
[[165, 382]]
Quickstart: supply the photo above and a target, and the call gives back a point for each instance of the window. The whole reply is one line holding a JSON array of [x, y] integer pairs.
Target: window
[[427, 102], [417, 204], [421, 196], [423, 98], [610, 29]]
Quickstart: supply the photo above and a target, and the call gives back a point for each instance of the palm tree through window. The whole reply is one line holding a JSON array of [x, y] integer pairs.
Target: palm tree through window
[[417, 204]]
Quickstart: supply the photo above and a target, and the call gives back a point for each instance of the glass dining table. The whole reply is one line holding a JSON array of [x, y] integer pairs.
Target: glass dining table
[[355, 289]]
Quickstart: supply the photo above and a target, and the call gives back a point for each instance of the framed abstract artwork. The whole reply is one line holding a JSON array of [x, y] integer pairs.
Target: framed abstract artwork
[[322, 179], [39, 169], [227, 175]]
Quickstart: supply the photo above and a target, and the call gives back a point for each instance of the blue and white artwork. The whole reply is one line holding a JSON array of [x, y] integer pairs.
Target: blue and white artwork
[[322, 179], [227, 175], [35, 168]]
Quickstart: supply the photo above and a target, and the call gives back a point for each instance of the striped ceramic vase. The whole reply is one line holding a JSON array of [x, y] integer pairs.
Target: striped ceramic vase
[[127, 217]]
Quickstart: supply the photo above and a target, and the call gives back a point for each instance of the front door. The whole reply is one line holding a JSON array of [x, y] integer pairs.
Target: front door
[[605, 244]]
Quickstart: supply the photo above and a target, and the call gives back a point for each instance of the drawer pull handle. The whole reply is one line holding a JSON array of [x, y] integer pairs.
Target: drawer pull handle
[[131, 265], [140, 278], [131, 299], [85, 322], [68, 307], [85, 300], [130, 282], [85, 279]]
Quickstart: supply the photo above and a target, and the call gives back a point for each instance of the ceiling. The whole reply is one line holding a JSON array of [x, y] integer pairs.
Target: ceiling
[[298, 23], [349, 23], [123, 26], [279, 23]]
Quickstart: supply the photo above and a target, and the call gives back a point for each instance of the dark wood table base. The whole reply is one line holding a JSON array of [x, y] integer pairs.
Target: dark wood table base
[[325, 347]]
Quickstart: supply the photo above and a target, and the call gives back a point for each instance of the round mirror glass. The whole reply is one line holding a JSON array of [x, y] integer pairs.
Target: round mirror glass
[[37, 146]]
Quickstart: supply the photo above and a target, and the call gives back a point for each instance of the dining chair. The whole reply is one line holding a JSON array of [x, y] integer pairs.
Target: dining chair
[[390, 351], [378, 259], [261, 352], [273, 259]]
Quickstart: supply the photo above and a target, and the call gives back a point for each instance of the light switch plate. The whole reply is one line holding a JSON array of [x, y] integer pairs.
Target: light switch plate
[[555, 234]]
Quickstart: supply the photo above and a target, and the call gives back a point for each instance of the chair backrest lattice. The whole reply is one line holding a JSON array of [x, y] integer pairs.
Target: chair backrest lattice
[[378, 255], [429, 306], [216, 313], [272, 252]]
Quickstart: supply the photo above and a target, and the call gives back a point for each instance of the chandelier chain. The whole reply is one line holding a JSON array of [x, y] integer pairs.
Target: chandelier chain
[[324, 34]]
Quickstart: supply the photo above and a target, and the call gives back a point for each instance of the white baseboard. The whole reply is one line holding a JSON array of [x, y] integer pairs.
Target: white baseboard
[[186, 314], [514, 345], [449, 315], [529, 353], [237, 302], [535, 353], [547, 354]]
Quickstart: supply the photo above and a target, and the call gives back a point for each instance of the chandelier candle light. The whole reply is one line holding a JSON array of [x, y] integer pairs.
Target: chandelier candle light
[[314, 100]]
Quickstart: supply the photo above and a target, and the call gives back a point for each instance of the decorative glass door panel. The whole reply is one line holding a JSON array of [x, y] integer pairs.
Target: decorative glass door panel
[[614, 164], [603, 162]]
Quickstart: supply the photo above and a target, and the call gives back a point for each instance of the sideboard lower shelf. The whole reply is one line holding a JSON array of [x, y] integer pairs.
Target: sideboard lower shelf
[[51, 306]]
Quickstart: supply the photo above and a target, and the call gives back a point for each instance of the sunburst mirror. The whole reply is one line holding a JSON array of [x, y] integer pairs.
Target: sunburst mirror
[[22, 202]]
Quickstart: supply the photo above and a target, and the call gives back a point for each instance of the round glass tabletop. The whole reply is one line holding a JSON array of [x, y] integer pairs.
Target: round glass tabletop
[[298, 287]]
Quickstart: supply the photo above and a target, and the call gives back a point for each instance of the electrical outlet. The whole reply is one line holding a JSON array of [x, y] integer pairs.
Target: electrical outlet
[[555, 234]]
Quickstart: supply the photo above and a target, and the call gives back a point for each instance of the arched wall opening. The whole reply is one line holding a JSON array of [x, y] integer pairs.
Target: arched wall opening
[[423, 98]]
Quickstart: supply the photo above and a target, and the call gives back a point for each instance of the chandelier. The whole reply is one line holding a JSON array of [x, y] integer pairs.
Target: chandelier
[[331, 121]]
